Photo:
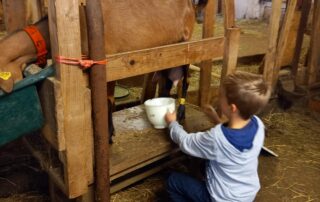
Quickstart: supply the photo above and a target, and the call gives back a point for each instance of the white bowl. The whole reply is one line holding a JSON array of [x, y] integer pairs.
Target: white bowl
[[157, 108]]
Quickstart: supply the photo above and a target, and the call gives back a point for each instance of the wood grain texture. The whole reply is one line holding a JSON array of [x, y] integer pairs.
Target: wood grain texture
[[283, 40], [313, 72], [274, 25], [64, 24], [206, 65], [124, 65], [229, 13], [231, 48]]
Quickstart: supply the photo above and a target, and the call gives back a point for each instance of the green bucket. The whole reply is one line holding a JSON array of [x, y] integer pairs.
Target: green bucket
[[20, 111]]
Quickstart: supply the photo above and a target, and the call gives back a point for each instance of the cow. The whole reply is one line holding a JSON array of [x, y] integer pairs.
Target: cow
[[129, 25]]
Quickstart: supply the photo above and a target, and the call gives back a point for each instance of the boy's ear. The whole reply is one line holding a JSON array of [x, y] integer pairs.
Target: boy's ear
[[234, 108]]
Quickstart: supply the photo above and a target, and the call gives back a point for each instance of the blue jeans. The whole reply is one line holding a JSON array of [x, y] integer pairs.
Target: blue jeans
[[182, 187]]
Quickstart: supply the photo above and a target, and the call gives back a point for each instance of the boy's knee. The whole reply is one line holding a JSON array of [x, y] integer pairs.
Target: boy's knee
[[172, 180]]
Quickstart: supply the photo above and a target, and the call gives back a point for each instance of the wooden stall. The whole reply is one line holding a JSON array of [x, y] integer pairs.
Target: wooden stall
[[67, 151]]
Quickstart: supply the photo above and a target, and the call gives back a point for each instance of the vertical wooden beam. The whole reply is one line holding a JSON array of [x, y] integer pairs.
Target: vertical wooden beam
[[283, 39], [314, 62], [274, 24], [305, 10], [291, 38], [232, 36], [64, 25], [229, 13], [205, 72], [231, 47], [88, 197]]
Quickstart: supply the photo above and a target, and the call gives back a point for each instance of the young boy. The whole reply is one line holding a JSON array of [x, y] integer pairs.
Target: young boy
[[231, 149]]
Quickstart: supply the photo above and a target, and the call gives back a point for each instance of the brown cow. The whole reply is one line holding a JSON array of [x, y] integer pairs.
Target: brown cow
[[129, 25]]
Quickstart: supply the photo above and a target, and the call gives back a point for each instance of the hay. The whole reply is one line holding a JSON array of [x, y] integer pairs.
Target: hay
[[294, 135], [148, 191], [26, 197]]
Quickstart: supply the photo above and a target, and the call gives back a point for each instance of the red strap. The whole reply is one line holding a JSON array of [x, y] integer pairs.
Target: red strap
[[39, 43], [83, 62]]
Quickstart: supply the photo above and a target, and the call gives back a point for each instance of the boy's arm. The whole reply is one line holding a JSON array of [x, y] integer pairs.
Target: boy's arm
[[199, 144]]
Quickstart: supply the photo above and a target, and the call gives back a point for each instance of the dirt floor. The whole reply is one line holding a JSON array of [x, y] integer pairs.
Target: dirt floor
[[293, 134], [293, 176]]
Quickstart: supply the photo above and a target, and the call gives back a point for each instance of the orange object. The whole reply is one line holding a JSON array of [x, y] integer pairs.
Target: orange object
[[83, 62], [39, 43]]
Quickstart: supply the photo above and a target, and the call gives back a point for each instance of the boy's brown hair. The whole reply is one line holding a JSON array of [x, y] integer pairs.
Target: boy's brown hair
[[249, 92]]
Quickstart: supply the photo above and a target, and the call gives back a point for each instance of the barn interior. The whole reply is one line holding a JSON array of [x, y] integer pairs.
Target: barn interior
[[288, 167]]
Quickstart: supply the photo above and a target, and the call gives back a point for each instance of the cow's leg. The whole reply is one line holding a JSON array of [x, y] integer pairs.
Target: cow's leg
[[165, 84], [149, 87], [19, 44], [185, 84], [166, 81], [111, 106]]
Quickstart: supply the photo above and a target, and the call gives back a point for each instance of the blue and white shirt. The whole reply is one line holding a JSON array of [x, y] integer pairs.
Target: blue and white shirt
[[231, 170]]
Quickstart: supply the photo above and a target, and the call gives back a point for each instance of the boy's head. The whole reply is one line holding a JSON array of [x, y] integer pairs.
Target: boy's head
[[248, 92]]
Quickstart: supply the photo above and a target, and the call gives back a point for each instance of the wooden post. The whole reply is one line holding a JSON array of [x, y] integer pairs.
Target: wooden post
[[306, 5], [229, 13], [64, 24], [274, 24], [283, 39], [232, 36], [230, 54], [99, 100], [291, 38], [314, 61], [205, 72]]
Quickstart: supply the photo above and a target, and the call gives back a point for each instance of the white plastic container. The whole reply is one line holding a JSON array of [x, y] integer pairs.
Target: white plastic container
[[157, 108]]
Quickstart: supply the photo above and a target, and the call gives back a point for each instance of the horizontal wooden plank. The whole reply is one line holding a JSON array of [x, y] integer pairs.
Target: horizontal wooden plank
[[144, 174], [128, 64]]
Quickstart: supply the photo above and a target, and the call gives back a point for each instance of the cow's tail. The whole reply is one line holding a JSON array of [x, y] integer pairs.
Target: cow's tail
[[200, 3]]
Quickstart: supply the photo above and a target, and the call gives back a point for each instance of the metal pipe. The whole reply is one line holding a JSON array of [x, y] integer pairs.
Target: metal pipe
[[99, 100]]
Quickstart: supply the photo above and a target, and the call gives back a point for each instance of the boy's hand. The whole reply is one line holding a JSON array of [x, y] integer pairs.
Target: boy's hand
[[170, 117]]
